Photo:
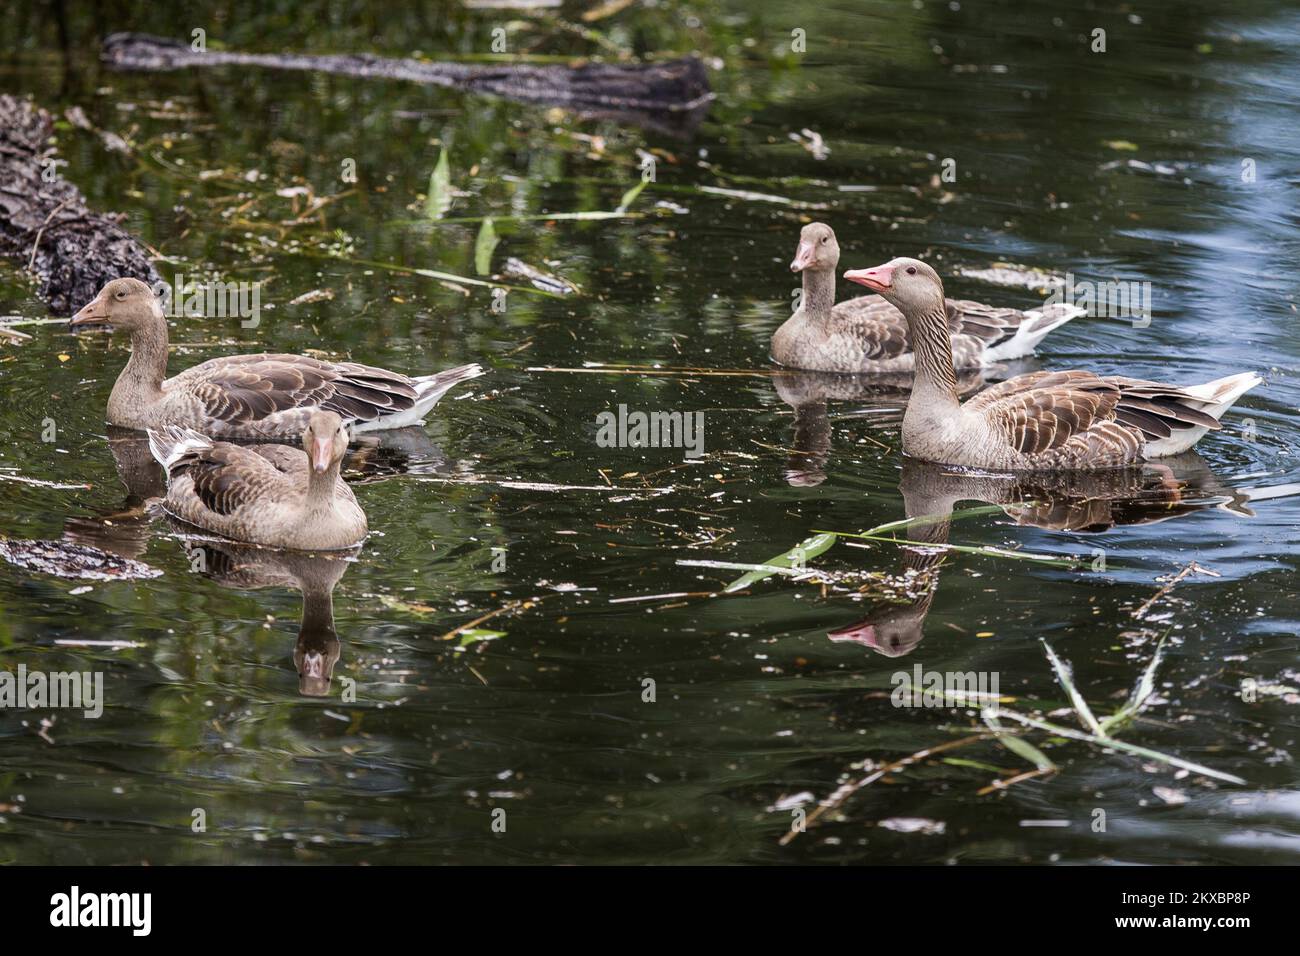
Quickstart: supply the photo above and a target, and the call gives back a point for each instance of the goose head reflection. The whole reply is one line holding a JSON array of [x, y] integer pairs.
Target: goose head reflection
[[249, 568]]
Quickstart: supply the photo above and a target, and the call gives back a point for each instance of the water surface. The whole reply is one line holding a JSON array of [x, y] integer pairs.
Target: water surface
[[1124, 164]]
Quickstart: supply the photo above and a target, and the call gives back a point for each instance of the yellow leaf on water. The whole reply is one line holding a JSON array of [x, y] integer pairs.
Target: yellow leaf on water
[[63, 357], [984, 634]]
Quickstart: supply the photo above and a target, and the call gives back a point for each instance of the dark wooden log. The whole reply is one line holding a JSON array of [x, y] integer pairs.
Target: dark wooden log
[[44, 223], [671, 96]]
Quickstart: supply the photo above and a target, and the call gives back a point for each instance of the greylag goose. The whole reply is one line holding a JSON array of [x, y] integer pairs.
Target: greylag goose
[[248, 396], [271, 495], [868, 334], [1043, 421]]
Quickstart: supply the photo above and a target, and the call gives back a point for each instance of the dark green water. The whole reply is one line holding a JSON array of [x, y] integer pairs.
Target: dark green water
[[754, 703]]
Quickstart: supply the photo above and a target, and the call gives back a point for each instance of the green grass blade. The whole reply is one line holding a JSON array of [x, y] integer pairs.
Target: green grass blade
[[920, 521], [1018, 745], [987, 551], [1066, 677], [795, 557], [1120, 745], [629, 197], [1142, 691]]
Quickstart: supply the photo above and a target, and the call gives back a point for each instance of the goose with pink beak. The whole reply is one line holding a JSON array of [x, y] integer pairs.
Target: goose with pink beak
[[868, 335], [1043, 421], [268, 494]]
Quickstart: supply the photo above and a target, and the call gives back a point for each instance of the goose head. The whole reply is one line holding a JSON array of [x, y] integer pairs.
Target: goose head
[[909, 284], [818, 251], [325, 441], [127, 304]]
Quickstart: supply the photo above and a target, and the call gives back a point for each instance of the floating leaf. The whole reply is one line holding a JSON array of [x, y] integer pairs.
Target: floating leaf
[[475, 635], [439, 199], [484, 246], [629, 197], [795, 557]]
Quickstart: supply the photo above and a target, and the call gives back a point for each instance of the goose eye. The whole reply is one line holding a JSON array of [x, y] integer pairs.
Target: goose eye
[[119, 295], [911, 270], [824, 240]]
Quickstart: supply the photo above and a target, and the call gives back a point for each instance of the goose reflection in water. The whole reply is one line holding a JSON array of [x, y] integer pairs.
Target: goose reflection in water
[[1086, 502], [250, 568]]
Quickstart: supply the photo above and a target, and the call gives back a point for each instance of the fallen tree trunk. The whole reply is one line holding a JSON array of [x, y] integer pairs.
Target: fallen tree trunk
[[670, 96], [44, 222]]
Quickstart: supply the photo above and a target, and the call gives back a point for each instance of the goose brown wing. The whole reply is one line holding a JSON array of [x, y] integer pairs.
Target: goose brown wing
[[226, 478], [1044, 417], [1042, 411], [987, 323], [1165, 408], [243, 389], [878, 327]]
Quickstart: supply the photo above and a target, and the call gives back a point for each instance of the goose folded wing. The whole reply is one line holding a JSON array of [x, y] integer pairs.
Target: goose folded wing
[[364, 393], [1168, 407], [1043, 417], [1031, 381], [249, 388], [985, 322], [878, 327], [227, 478]]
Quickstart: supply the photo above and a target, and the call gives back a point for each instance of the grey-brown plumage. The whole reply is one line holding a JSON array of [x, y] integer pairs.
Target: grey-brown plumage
[[869, 335], [1043, 421], [266, 396], [270, 495]]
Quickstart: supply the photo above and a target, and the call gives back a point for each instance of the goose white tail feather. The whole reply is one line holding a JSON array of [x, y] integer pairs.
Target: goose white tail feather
[[1222, 393], [428, 389], [171, 443], [1218, 396], [1038, 324]]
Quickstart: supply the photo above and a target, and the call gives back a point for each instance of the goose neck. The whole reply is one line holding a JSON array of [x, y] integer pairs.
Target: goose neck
[[147, 367], [936, 379], [818, 293]]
